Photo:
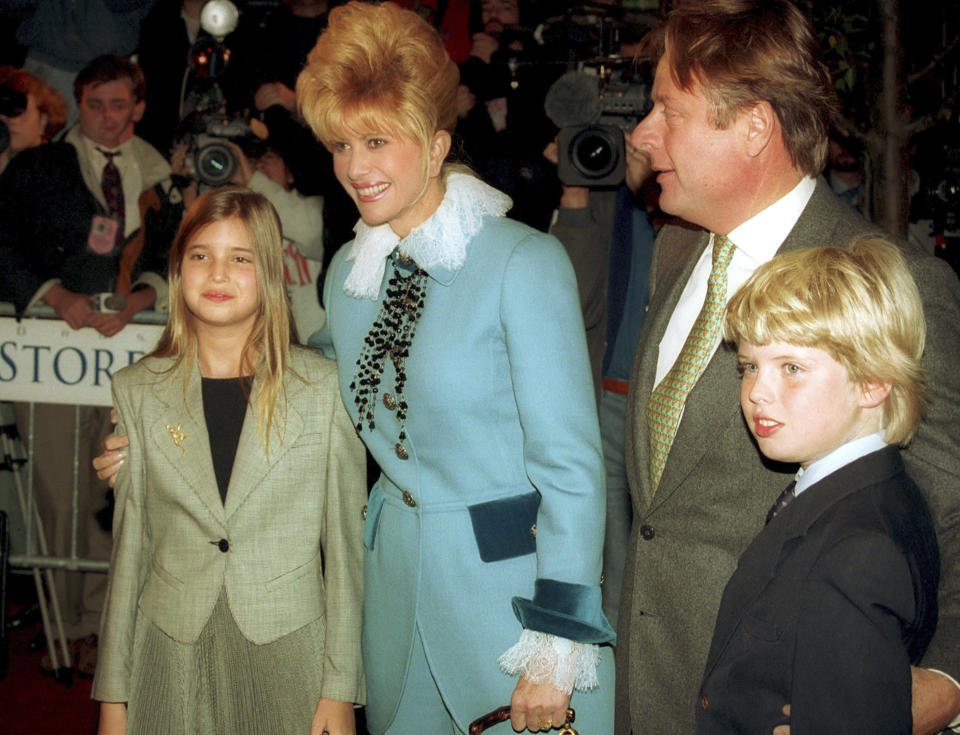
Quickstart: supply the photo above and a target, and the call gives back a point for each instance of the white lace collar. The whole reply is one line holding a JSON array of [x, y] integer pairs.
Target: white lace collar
[[439, 241]]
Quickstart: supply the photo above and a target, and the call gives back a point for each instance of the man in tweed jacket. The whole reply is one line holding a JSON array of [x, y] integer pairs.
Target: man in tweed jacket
[[737, 135]]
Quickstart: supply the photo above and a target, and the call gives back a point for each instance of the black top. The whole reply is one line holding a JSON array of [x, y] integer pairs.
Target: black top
[[224, 406]]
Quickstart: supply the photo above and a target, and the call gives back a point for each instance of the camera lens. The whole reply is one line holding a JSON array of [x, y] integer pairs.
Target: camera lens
[[215, 164], [591, 155], [12, 102], [594, 152], [949, 190]]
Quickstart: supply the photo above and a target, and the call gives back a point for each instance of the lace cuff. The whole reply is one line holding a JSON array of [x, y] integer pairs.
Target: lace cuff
[[566, 664]]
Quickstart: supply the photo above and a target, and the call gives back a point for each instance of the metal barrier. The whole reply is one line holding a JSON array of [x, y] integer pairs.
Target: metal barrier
[[43, 360]]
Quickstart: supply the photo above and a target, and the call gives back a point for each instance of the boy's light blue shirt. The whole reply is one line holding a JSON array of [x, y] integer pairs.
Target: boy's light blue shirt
[[839, 457]]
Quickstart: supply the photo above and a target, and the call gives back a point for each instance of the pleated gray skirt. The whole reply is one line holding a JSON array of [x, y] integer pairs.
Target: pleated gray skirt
[[223, 683]]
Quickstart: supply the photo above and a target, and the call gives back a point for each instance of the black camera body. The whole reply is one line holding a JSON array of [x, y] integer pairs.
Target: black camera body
[[937, 163], [593, 154], [938, 197], [209, 159], [12, 104]]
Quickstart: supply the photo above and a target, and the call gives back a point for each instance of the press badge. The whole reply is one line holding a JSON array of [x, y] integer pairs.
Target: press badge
[[103, 234]]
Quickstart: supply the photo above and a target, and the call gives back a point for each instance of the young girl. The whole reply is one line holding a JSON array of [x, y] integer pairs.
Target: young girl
[[235, 581]]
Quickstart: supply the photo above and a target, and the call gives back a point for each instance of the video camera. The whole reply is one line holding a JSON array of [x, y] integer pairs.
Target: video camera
[[604, 97], [937, 162], [592, 111], [12, 104], [207, 127], [209, 159]]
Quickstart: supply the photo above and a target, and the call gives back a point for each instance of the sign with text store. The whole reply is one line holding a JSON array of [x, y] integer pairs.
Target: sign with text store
[[45, 361]]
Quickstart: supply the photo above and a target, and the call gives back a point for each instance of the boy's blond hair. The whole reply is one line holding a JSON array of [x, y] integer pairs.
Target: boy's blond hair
[[860, 305]]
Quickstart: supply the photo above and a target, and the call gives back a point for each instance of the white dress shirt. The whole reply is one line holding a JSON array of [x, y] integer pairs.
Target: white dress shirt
[[130, 179]]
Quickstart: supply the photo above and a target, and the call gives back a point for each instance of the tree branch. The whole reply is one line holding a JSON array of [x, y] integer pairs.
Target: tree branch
[[934, 62]]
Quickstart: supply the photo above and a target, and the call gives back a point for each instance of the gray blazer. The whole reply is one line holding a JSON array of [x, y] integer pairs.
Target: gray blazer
[[717, 487], [286, 545]]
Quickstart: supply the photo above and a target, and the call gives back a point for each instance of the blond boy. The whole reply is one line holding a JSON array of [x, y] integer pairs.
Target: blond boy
[[837, 596]]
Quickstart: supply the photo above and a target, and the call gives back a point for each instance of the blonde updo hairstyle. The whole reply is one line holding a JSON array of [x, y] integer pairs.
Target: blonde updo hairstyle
[[378, 68]]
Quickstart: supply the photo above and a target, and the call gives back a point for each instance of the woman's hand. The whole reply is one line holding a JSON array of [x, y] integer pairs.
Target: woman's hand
[[113, 718], [537, 707], [333, 717]]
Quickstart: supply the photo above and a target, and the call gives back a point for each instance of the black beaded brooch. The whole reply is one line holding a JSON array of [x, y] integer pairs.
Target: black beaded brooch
[[390, 336]]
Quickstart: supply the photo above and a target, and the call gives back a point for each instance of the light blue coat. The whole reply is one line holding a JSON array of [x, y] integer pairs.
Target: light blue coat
[[501, 418]]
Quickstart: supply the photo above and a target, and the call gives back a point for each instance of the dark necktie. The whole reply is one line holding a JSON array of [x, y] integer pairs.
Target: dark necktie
[[782, 500], [113, 190]]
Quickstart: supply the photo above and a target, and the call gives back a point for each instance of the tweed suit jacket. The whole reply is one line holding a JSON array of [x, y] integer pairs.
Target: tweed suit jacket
[[285, 546], [717, 486]]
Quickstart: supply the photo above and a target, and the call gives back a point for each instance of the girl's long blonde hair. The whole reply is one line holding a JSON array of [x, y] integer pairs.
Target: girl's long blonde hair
[[267, 351]]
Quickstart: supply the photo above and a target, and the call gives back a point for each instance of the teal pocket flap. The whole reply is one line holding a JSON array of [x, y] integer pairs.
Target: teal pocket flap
[[504, 528], [374, 506]]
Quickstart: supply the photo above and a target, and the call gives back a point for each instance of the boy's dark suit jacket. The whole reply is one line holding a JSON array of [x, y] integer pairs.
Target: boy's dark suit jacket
[[827, 609]]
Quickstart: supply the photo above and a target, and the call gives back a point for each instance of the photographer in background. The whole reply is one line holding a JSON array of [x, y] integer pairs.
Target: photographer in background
[[32, 111], [934, 222], [609, 237], [844, 171], [604, 222], [167, 35], [90, 216], [501, 119]]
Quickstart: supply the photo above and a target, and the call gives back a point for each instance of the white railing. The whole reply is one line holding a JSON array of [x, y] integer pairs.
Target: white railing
[[43, 360]]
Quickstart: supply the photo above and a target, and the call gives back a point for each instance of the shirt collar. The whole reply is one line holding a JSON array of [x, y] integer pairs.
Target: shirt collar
[[94, 155], [839, 457], [761, 236], [438, 245]]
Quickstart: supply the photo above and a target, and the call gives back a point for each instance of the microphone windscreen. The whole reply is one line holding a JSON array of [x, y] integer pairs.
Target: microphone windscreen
[[573, 100]]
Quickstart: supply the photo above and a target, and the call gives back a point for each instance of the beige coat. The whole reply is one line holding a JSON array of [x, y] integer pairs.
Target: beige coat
[[285, 546]]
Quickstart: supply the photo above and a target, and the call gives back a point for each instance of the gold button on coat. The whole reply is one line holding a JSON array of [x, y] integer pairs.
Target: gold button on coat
[[408, 499]]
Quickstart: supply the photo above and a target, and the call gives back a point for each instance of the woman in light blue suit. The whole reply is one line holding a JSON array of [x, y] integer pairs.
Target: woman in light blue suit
[[463, 363]]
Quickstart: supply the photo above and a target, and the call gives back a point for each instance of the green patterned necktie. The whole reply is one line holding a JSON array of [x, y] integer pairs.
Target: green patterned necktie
[[666, 402]]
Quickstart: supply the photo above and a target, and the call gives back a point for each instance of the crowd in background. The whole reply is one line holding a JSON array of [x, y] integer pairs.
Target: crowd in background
[[122, 114]]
